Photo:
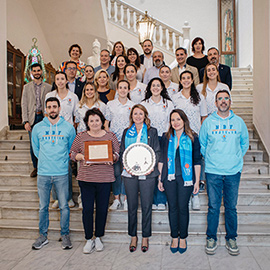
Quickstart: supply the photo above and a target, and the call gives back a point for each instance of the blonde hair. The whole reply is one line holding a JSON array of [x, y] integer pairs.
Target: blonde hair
[[84, 98], [146, 118], [97, 75], [206, 79]]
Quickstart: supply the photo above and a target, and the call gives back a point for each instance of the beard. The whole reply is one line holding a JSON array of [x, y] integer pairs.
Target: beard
[[53, 116], [158, 63], [37, 77]]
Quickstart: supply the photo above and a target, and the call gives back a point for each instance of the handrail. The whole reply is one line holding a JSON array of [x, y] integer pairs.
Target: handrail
[[125, 15]]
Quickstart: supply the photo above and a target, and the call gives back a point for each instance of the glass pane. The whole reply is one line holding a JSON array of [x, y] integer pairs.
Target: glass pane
[[10, 100], [227, 25], [18, 101], [228, 59], [10, 68], [18, 63]]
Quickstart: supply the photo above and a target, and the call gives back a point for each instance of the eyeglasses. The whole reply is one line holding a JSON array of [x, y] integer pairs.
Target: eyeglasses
[[225, 98], [70, 68]]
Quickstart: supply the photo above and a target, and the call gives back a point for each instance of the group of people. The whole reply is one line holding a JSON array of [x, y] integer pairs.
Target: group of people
[[132, 98]]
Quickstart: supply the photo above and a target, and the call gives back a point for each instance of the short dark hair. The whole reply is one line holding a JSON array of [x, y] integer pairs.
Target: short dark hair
[[97, 112], [35, 65], [75, 46], [51, 99], [181, 48], [195, 40], [148, 40], [223, 91], [71, 62], [105, 50], [212, 48]]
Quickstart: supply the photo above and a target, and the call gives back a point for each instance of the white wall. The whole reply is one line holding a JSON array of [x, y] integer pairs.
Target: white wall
[[23, 25], [3, 66], [203, 19], [261, 71], [245, 32]]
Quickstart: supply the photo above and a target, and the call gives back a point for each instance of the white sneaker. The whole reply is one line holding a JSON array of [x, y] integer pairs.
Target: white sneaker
[[196, 203], [154, 207], [55, 205], [161, 207], [116, 204], [89, 246], [99, 245], [80, 205], [125, 205], [71, 203]]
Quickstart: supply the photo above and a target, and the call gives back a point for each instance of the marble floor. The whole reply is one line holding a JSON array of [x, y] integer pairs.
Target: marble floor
[[17, 254]]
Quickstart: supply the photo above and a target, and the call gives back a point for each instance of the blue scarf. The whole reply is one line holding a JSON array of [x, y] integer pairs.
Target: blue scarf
[[131, 135], [185, 148]]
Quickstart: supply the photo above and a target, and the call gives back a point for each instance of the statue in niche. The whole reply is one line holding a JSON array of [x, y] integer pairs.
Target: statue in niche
[[94, 59]]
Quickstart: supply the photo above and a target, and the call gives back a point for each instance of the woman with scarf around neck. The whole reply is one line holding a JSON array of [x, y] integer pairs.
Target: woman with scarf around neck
[[179, 166], [140, 130]]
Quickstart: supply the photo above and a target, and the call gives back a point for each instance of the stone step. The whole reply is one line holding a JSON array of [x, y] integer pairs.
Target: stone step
[[248, 235], [29, 194], [253, 156], [17, 165], [17, 179], [241, 98], [242, 92], [17, 135], [241, 76], [14, 145], [256, 168], [23, 155], [241, 110], [254, 181], [30, 211], [242, 87]]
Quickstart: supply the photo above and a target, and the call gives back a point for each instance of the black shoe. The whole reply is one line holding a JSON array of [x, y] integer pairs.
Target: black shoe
[[145, 248], [33, 173]]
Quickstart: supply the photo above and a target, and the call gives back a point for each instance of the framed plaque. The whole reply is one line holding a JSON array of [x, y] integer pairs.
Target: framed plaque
[[139, 159], [98, 151]]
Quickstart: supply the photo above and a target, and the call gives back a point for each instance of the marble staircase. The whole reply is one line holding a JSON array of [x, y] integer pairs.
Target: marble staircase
[[19, 199]]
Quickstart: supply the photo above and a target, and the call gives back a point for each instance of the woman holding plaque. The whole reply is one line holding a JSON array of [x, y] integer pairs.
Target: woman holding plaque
[[139, 131], [94, 178], [179, 166]]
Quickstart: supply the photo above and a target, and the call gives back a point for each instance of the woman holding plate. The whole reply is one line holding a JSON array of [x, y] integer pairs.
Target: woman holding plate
[[94, 179], [140, 131], [179, 166]]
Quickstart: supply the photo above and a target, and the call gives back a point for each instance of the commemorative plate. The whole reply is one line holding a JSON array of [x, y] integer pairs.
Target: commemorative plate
[[139, 159]]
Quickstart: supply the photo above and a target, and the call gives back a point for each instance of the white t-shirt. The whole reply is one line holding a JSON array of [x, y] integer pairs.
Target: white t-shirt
[[210, 95], [140, 73], [118, 115], [159, 114], [137, 94], [172, 89], [193, 112], [68, 104], [80, 114]]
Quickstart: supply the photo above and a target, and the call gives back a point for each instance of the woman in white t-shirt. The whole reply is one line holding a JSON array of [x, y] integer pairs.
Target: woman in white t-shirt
[[210, 86], [134, 58], [68, 102], [194, 106], [117, 113], [90, 99], [159, 106], [165, 75], [137, 89]]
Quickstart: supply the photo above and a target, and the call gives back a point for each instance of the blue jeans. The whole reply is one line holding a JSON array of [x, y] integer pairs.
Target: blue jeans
[[38, 118], [218, 185], [44, 184], [118, 186], [54, 195]]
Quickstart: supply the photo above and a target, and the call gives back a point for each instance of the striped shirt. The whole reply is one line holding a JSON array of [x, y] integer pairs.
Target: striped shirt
[[99, 173]]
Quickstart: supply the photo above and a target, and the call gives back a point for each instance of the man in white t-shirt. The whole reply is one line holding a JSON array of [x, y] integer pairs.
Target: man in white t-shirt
[[146, 57]]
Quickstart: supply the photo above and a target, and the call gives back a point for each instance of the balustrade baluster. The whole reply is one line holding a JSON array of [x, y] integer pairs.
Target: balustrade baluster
[[170, 40], [119, 15], [131, 20], [113, 10], [164, 37], [125, 19]]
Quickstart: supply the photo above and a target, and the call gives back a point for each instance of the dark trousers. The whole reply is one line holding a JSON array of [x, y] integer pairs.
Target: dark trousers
[[90, 192], [38, 118], [178, 198], [146, 188]]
